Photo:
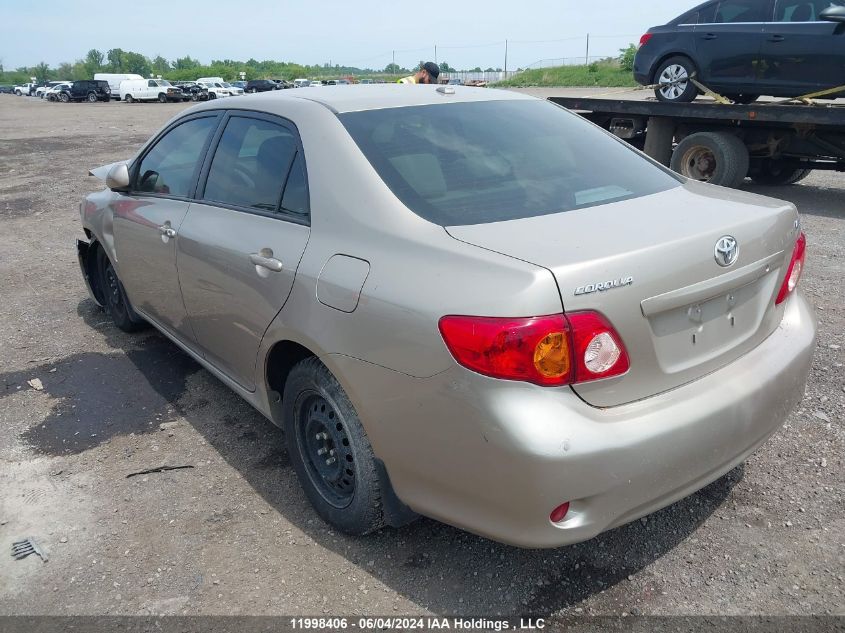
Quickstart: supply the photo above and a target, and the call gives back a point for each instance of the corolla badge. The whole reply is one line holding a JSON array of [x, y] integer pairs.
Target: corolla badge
[[602, 286], [726, 251]]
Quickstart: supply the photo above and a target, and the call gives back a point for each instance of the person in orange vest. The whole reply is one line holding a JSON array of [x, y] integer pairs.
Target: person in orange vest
[[427, 74]]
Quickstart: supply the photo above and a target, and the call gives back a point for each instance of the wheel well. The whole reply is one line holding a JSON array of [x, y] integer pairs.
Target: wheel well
[[283, 356], [91, 269], [660, 61]]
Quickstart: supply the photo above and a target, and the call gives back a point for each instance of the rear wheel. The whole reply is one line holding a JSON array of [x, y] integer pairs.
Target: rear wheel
[[673, 75], [129, 99], [116, 302], [330, 451], [777, 172], [714, 157], [92, 97], [63, 97]]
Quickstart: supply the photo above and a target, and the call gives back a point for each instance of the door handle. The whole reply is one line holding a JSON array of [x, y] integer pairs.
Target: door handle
[[710, 36], [776, 38], [166, 230], [269, 262]]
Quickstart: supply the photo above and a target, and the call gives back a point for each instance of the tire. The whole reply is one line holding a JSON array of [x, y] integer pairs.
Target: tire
[[92, 97], [116, 304], [676, 69], [129, 99], [194, 97], [162, 98], [778, 172], [318, 416], [211, 96], [18, 93], [253, 91], [715, 157], [63, 97], [742, 99]]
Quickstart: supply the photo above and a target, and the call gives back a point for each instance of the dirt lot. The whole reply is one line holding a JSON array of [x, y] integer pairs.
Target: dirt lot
[[235, 535]]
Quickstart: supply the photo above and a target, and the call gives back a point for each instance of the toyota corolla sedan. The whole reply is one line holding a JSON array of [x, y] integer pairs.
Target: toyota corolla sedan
[[470, 305]]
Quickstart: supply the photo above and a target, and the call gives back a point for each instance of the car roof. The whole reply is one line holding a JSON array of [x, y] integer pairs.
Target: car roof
[[352, 98]]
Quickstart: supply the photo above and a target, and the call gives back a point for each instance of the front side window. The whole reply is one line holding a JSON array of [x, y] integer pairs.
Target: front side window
[[803, 10], [151, 84], [738, 11], [491, 161], [251, 164], [169, 167]]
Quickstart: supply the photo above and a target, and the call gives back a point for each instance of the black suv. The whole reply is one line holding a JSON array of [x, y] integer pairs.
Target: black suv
[[86, 90], [746, 48], [260, 85]]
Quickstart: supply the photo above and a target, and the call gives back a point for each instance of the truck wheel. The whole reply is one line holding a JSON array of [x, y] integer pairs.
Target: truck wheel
[[673, 75], [162, 98], [63, 97], [129, 99], [212, 95], [777, 172], [715, 157], [92, 97], [743, 99], [18, 93], [116, 303], [329, 450]]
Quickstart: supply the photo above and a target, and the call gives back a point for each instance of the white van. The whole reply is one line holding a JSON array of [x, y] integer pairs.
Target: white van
[[114, 80], [149, 90]]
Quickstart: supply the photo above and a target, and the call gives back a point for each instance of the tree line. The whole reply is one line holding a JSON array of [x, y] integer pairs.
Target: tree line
[[117, 60]]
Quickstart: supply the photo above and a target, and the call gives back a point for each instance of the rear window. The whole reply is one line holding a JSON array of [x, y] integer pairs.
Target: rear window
[[491, 161]]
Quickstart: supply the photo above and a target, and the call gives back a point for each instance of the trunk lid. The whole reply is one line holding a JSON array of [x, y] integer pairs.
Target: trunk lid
[[649, 265]]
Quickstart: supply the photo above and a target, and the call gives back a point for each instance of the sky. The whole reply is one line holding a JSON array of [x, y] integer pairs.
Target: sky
[[362, 33]]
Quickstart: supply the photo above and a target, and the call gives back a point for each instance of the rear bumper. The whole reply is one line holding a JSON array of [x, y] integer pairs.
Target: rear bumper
[[495, 457]]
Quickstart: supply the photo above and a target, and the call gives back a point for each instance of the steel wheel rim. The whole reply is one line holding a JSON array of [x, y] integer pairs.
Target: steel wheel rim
[[676, 77], [113, 288], [698, 163], [324, 445]]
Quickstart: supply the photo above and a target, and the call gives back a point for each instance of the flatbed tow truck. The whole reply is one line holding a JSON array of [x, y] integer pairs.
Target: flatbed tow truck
[[773, 143]]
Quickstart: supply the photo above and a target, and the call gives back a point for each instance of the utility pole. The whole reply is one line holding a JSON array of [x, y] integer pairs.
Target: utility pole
[[506, 59], [587, 57]]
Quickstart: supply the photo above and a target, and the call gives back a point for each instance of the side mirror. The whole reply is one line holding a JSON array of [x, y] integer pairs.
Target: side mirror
[[833, 14], [118, 177]]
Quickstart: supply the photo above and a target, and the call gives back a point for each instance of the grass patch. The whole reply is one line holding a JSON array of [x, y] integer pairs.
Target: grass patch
[[602, 74]]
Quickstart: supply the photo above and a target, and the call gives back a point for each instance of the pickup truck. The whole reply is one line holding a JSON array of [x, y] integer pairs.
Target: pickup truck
[[25, 89]]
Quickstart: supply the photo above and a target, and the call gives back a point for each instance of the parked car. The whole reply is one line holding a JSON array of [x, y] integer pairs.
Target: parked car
[[316, 84], [7, 89], [746, 48], [215, 89], [261, 85], [86, 90], [25, 89], [114, 80], [239, 84], [40, 90], [301, 83], [498, 342], [233, 89], [150, 90], [193, 90], [52, 94]]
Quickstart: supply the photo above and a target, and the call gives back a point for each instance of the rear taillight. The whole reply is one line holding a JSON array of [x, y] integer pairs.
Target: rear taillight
[[645, 38], [550, 350], [796, 267]]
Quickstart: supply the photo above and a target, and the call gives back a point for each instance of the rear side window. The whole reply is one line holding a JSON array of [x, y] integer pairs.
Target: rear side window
[[736, 11], [474, 163], [169, 167], [251, 164]]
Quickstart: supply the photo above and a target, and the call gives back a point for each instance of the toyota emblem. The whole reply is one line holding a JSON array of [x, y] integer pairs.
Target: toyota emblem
[[726, 251]]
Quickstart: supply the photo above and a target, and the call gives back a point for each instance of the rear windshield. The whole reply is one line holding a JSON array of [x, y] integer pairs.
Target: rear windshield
[[490, 161]]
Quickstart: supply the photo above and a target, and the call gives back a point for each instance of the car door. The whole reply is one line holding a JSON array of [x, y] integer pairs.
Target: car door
[[147, 219], [801, 53], [728, 42], [241, 242]]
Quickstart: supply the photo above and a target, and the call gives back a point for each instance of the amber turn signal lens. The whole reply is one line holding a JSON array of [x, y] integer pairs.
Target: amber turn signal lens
[[551, 356]]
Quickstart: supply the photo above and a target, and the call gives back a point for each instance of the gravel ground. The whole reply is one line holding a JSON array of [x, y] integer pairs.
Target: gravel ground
[[235, 535]]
